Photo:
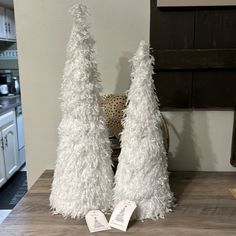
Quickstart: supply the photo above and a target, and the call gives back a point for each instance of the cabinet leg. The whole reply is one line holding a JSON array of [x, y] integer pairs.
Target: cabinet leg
[[233, 153]]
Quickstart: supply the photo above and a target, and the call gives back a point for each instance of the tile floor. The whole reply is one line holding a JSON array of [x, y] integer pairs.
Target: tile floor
[[4, 213], [23, 168]]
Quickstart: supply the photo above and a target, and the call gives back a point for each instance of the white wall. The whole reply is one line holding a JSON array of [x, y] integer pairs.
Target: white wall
[[43, 29], [200, 140]]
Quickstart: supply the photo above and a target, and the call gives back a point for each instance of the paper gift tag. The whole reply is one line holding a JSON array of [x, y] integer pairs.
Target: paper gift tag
[[233, 191], [121, 215], [96, 221]]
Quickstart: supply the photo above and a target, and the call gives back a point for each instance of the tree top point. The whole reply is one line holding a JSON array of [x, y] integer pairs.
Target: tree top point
[[143, 49], [79, 12]]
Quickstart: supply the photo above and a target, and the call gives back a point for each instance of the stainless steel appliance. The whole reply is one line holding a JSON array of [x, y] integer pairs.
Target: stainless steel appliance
[[5, 81], [20, 135], [4, 89], [16, 85], [9, 84]]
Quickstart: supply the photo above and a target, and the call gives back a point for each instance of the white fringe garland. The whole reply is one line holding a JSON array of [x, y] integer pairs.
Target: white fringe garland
[[83, 177], [142, 171]]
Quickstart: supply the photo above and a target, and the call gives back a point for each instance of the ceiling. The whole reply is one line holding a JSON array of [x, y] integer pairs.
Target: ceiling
[[7, 3]]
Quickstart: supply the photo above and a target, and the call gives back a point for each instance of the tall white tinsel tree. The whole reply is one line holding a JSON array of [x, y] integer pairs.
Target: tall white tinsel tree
[[83, 177], [142, 171]]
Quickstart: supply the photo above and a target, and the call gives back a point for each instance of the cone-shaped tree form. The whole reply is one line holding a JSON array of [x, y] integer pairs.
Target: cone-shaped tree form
[[142, 171], [83, 177]]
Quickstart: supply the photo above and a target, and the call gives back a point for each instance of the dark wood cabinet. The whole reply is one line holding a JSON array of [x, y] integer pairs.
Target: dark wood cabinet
[[215, 27], [174, 89], [195, 53], [171, 28], [214, 89]]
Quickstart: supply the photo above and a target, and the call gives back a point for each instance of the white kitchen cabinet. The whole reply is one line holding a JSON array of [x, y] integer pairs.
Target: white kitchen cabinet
[[10, 22], [2, 23], [9, 162], [10, 149], [3, 177], [7, 25]]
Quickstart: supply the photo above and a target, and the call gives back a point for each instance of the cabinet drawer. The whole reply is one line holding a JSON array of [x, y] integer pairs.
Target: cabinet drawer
[[7, 118]]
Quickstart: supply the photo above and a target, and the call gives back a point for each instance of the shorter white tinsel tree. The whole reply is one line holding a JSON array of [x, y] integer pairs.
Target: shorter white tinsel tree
[[142, 174], [83, 177]]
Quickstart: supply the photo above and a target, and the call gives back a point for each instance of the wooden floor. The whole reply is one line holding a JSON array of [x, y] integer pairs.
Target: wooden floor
[[205, 207]]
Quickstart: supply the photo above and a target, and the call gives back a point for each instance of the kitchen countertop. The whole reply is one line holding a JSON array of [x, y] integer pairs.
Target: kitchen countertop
[[9, 102]]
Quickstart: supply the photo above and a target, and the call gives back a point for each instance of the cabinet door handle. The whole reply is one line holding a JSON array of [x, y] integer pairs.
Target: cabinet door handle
[[9, 27], [6, 139], [2, 143], [6, 29]]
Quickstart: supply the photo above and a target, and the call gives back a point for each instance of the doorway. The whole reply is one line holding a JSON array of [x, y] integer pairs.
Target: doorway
[[13, 170]]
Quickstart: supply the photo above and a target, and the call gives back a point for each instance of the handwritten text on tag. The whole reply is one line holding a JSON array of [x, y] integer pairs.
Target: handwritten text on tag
[[96, 221], [121, 215]]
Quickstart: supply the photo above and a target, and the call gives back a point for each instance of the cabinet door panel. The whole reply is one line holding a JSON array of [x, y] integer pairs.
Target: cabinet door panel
[[215, 27], [10, 149], [174, 89], [214, 89], [2, 23], [171, 28], [2, 168], [11, 31]]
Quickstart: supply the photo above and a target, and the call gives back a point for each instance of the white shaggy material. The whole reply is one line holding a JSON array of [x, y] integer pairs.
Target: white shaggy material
[[142, 171], [83, 177]]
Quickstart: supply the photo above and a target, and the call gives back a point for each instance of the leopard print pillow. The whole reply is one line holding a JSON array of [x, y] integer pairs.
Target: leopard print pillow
[[113, 106]]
